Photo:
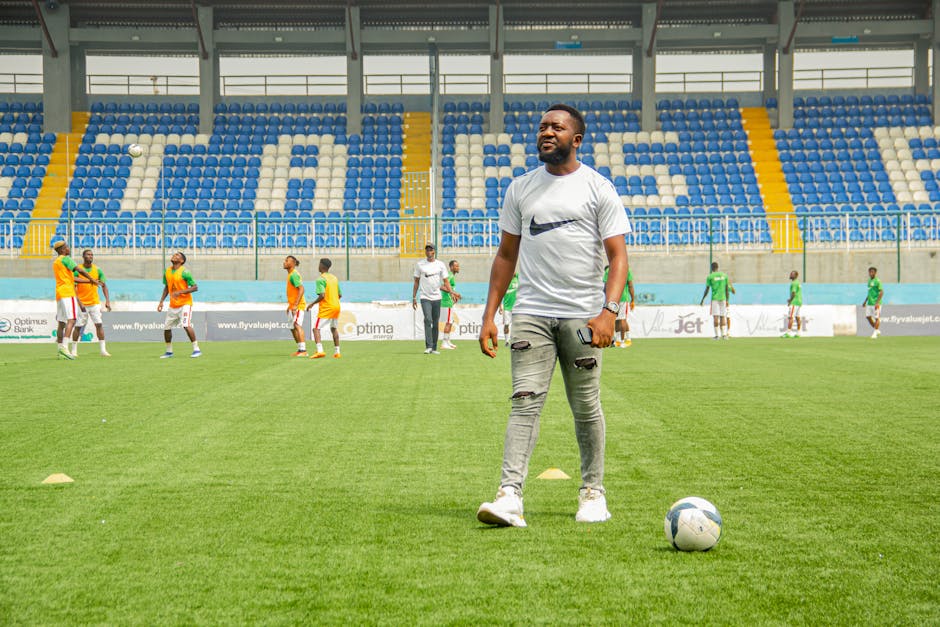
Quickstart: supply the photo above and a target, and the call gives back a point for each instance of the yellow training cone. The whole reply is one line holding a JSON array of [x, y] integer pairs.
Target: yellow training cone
[[554, 473], [58, 478]]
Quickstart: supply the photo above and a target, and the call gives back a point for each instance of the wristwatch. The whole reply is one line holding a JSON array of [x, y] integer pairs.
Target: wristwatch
[[612, 306]]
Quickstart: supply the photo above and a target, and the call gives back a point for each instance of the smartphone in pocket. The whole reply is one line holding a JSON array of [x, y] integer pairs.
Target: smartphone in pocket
[[585, 335]]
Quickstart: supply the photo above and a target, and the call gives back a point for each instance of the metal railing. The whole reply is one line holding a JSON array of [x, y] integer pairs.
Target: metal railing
[[464, 83], [396, 84], [709, 82], [20, 83], [143, 84], [575, 82], [371, 236], [284, 85], [850, 78]]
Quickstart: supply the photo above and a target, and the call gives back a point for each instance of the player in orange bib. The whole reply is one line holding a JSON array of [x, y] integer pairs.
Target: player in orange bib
[[67, 308], [179, 285], [296, 305], [90, 302], [328, 295]]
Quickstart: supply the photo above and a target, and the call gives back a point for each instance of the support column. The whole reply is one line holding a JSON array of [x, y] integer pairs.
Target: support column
[[354, 94], [79, 79], [785, 65], [648, 70], [770, 72], [935, 46], [208, 70], [636, 79], [497, 97], [921, 66], [57, 71], [434, 71]]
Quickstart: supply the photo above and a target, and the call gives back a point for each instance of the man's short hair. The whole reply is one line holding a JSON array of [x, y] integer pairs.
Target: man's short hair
[[450, 264], [431, 246], [87, 250], [714, 265], [579, 125], [326, 263], [872, 268], [296, 261], [182, 254]]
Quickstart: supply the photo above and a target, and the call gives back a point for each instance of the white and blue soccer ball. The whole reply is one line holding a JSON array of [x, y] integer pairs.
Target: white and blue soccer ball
[[693, 524], [135, 150]]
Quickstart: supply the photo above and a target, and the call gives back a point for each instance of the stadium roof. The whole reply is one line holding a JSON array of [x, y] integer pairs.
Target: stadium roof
[[456, 13]]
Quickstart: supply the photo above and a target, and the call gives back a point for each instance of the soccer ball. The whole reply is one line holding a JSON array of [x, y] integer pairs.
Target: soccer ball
[[135, 150], [693, 524]]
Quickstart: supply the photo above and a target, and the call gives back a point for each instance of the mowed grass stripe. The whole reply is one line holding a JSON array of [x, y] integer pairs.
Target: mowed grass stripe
[[250, 486]]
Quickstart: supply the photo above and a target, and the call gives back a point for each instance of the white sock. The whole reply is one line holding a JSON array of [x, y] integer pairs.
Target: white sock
[[74, 349], [319, 347], [336, 350], [195, 346], [447, 338], [101, 345], [302, 347], [169, 347]]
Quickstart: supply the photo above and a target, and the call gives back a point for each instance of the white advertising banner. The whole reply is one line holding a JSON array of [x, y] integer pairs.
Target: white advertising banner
[[746, 321], [398, 321], [17, 327]]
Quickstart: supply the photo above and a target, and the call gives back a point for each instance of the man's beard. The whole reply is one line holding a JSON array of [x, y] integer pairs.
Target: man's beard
[[556, 157]]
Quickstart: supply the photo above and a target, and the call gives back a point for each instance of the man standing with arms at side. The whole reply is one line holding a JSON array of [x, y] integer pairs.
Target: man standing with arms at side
[[64, 269], [91, 303], [448, 302], [328, 295], [179, 285], [296, 305], [872, 302], [560, 222], [431, 277], [719, 285], [794, 303], [627, 305]]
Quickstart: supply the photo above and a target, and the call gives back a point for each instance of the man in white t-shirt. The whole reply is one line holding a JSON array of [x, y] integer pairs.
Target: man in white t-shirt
[[430, 279], [562, 223]]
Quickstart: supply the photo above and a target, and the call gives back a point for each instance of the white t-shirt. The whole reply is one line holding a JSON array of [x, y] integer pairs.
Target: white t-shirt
[[563, 222], [431, 274]]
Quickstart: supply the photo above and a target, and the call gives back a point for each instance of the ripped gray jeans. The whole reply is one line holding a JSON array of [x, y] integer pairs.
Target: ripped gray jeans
[[535, 345]]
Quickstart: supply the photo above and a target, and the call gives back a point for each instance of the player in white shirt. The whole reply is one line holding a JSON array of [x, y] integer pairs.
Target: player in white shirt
[[430, 279], [562, 223]]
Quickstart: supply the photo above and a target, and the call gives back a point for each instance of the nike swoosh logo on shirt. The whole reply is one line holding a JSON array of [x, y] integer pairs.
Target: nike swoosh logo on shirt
[[535, 228]]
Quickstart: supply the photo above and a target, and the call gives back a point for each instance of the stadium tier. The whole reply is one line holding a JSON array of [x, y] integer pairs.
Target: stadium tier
[[860, 169]]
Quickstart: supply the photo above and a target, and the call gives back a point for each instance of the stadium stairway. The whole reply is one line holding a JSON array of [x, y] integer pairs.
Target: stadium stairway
[[54, 187], [773, 186], [416, 183]]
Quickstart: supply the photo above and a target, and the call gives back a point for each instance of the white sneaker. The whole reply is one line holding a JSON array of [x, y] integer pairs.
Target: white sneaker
[[592, 506], [874, 334], [504, 511], [449, 346], [427, 351], [105, 354]]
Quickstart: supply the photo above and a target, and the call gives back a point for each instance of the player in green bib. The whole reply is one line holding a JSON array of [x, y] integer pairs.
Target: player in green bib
[[872, 302], [448, 300], [627, 302], [794, 303], [719, 285], [509, 300]]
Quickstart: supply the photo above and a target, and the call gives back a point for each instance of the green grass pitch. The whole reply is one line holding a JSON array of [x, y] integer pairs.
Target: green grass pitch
[[249, 487]]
